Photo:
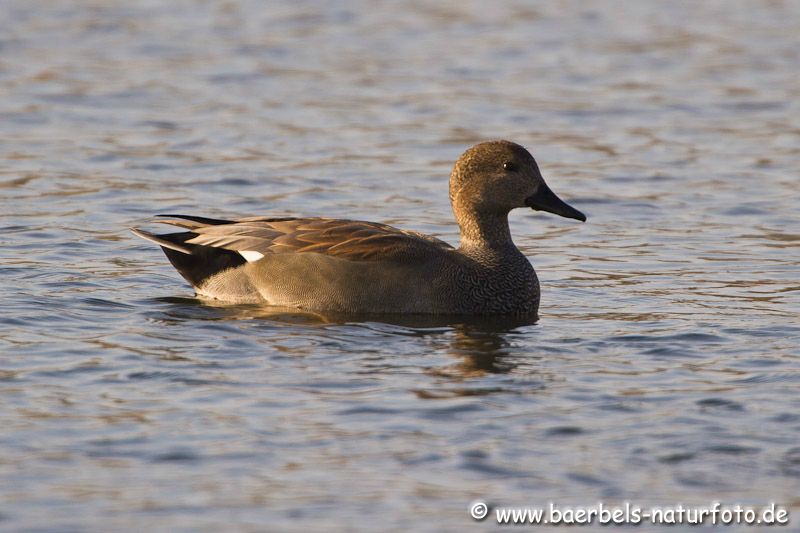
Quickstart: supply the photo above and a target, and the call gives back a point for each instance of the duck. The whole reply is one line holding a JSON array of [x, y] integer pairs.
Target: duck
[[352, 266]]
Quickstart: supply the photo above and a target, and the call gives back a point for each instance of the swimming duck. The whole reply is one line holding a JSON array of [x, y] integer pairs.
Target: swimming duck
[[323, 264]]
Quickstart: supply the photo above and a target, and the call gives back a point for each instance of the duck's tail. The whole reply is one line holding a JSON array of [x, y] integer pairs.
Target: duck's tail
[[196, 263]]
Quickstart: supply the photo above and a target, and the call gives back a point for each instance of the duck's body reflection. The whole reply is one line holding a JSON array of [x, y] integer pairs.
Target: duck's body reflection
[[480, 344]]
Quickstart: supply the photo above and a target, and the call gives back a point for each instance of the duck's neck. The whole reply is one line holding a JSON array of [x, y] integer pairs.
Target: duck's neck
[[485, 232]]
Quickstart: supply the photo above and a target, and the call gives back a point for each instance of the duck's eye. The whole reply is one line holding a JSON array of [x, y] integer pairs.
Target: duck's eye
[[508, 165]]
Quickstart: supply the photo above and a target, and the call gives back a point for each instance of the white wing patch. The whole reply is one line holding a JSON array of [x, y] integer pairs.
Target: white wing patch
[[251, 256]]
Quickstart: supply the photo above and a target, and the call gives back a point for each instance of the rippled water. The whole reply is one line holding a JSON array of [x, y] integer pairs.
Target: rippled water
[[664, 368]]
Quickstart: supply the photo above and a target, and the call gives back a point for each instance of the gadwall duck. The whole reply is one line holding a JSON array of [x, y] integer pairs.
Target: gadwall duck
[[322, 264]]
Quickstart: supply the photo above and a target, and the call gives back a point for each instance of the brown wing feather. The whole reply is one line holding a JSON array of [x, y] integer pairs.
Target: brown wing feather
[[348, 239]]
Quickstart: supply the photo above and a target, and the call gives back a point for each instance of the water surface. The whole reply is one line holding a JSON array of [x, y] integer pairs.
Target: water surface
[[664, 368]]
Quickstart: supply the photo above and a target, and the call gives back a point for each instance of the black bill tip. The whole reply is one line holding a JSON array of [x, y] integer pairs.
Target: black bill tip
[[546, 200]]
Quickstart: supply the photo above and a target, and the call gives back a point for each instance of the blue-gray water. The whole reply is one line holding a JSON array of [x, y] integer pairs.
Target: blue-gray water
[[664, 368]]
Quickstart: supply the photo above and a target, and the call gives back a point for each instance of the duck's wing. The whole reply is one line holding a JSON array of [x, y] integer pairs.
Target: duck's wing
[[255, 237]]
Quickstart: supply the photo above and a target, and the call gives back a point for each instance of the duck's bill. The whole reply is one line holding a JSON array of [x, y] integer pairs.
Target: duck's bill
[[546, 200]]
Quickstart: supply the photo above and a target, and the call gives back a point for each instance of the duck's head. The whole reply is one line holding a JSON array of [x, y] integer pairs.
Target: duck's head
[[497, 176]]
